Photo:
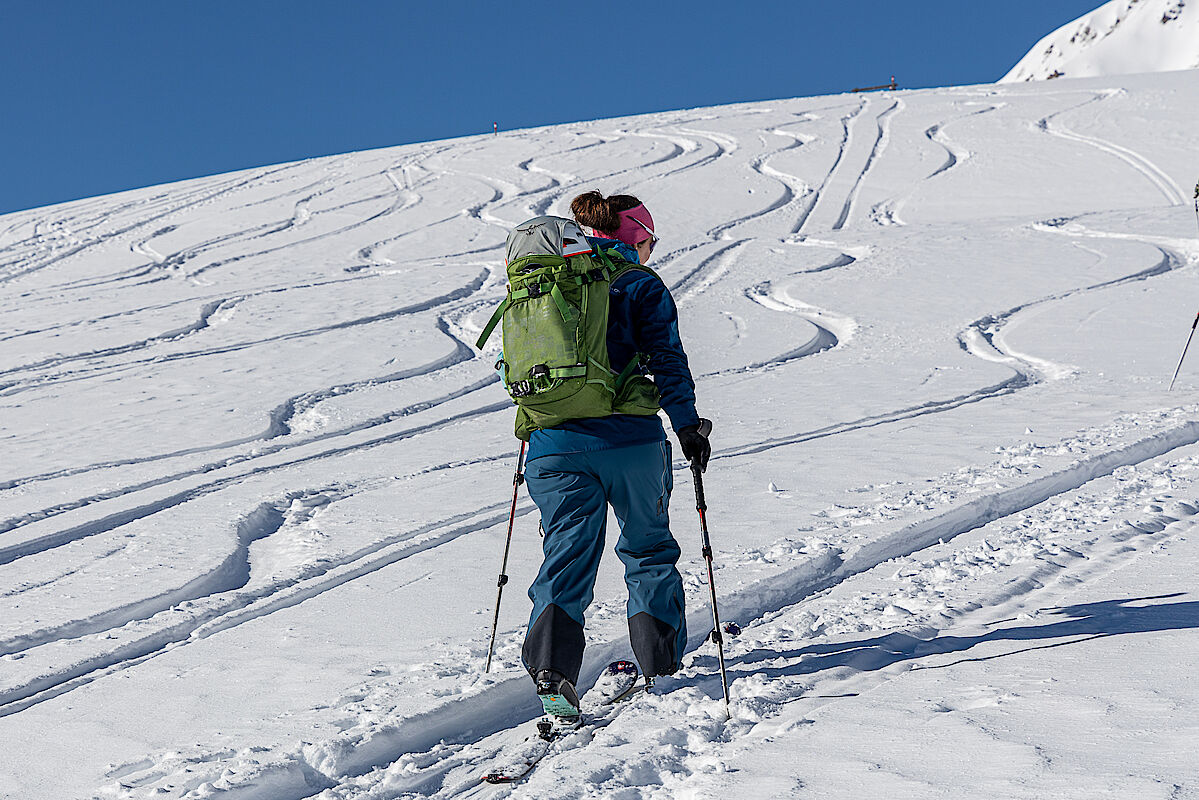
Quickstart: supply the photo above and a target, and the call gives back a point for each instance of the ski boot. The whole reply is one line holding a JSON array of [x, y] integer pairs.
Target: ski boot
[[560, 701]]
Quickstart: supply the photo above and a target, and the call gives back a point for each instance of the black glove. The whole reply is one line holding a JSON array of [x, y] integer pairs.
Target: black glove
[[694, 441]]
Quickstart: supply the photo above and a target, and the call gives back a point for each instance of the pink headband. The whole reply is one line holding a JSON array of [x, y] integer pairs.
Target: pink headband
[[630, 232]]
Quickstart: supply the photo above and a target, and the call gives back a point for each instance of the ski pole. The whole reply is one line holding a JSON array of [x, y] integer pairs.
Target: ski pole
[[1184, 352], [1197, 203], [517, 480], [701, 505]]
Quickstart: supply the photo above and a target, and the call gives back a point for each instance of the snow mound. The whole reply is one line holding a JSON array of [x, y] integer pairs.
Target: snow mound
[[1118, 38]]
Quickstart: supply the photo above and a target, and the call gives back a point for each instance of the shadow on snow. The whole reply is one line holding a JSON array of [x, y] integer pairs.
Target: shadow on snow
[[1088, 621]]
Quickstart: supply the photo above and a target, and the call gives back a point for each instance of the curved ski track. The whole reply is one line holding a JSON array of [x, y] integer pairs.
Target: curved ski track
[[1161, 181], [206, 313], [189, 202], [887, 211], [229, 604]]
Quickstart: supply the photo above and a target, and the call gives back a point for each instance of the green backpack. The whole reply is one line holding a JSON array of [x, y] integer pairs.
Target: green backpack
[[555, 325]]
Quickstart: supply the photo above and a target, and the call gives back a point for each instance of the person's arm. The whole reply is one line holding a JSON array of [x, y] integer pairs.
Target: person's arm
[[656, 334]]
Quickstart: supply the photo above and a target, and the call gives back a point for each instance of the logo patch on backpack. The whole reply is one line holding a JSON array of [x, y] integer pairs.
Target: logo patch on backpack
[[572, 247]]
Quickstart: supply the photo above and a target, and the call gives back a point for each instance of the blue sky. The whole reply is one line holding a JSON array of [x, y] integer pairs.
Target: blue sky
[[97, 97]]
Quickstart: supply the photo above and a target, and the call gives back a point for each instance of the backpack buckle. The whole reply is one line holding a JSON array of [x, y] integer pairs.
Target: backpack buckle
[[596, 275], [535, 290], [540, 371], [521, 388]]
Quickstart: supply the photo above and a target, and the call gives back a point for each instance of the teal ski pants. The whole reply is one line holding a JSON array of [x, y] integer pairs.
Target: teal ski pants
[[573, 492]]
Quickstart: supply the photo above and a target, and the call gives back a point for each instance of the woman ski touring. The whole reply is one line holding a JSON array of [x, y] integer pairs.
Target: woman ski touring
[[584, 455]]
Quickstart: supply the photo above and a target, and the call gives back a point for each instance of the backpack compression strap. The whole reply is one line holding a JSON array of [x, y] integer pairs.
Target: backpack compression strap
[[609, 272], [568, 313]]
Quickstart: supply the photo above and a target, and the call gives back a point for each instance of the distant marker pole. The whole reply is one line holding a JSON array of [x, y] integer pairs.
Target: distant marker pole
[[495, 129], [1194, 325], [517, 480]]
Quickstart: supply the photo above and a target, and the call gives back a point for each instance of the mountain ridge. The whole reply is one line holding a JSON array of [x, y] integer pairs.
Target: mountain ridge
[[1120, 37]]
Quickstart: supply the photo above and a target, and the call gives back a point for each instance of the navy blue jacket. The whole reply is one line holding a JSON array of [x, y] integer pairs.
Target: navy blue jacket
[[642, 318]]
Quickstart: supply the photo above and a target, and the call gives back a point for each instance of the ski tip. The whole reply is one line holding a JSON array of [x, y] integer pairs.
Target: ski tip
[[618, 667], [498, 778]]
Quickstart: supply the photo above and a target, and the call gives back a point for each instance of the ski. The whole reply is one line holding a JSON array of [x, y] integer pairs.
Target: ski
[[617, 683], [513, 766]]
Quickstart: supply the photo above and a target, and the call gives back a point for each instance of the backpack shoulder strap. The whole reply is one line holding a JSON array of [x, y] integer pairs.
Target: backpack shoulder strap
[[491, 323], [618, 266]]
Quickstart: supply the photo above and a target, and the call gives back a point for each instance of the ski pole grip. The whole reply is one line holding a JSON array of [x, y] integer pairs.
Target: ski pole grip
[[704, 428], [700, 503]]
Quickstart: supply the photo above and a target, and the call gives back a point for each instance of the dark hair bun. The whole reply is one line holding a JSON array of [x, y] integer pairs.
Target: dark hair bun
[[601, 213]]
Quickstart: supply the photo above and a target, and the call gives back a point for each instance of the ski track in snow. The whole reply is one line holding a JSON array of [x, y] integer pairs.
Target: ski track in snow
[[76, 247], [216, 601], [1168, 187], [887, 211], [100, 370], [831, 329], [207, 312], [847, 122], [44, 542], [880, 144], [439, 752], [982, 337], [401, 200]]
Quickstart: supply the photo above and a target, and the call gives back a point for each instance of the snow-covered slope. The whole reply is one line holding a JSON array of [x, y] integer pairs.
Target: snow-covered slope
[[1120, 37], [254, 481]]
